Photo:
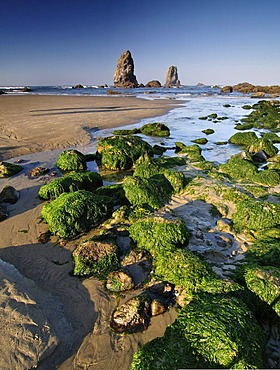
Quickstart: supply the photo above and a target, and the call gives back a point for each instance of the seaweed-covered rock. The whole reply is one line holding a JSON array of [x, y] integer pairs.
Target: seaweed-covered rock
[[263, 145], [256, 215], [193, 152], [240, 167], [208, 131], [264, 281], [126, 132], [264, 252], [155, 129], [155, 233], [210, 332], [115, 192], [120, 153], [153, 192], [71, 160], [243, 138], [201, 140], [119, 281], [149, 167], [265, 114], [9, 169], [72, 213], [97, 258], [133, 316], [272, 136], [9, 195], [72, 182]]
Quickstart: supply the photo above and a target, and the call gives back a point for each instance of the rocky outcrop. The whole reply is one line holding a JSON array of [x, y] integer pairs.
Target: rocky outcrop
[[154, 84], [172, 77], [227, 89], [246, 87], [79, 86], [124, 72]]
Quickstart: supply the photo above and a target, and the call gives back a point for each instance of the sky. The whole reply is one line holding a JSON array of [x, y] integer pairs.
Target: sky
[[69, 42]]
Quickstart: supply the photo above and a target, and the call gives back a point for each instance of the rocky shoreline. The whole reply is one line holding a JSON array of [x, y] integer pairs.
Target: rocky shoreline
[[176, 234]]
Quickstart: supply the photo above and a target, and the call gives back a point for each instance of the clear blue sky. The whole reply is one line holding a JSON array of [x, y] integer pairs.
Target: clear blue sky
[[50, 42]]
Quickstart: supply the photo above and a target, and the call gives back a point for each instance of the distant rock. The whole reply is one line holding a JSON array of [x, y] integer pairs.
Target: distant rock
[[27, 89], [246, 87], [124, 72], [154, 84], [172, 77], [200, 84], [227, 89], [79, 86], [2, 92]]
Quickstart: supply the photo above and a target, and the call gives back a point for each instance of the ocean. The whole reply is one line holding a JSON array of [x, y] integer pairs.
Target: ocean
[[184, 120]]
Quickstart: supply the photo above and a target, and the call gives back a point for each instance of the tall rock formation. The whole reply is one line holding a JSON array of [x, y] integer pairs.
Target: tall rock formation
[[124, 72], [172, 77]]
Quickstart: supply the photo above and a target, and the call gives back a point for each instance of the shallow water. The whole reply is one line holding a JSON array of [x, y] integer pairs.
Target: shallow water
[[185, 126]]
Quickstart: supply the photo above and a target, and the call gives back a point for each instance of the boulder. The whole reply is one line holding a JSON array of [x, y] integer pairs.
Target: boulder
[[227, 89], [71, 160], [133, 316], [38, 171], [9, 195], [9, 169], [72, 213], [124, 72], [119, 281], [172, 77], [121, 152], [154, 83], [79, 86], [155, 129], [97, 258]]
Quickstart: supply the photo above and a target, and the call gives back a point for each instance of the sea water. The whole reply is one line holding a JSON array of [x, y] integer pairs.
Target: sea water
[[183, 121]]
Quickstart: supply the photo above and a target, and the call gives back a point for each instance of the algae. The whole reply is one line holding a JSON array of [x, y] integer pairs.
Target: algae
[[155, 129], [72, 213], [71, 160]]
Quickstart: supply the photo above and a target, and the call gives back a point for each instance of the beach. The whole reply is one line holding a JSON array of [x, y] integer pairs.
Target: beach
[[30, 124], [45, 298], [52, 319]]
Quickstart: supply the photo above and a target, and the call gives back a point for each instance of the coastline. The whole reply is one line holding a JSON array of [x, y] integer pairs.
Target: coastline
[[36, 123]]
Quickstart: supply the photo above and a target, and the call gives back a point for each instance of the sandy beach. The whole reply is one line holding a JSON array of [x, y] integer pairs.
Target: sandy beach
[[49, 316], [35, 123]]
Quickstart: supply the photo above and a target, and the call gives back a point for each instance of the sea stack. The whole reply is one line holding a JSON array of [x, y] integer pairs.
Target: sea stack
[[124, 72], [172, 77]]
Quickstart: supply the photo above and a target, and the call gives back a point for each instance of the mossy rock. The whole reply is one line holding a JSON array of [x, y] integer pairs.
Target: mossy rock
[[274, 138], [203, 118], [193, 153], [247, 106], [149, 167], [115, 192], [201, 141], [264, 281], [243, 138], [264, 252], [213, 116], [265, 115], [95, 258], [72, 213], [126, 132], [156, 233], [155, 129], [169, 162], [72, 182], [158, 149], [121, 152], [244, 126], [256, 215], [153, 192], [263, 145], [210, 332], [71, 160], [208, 131], [9, 169]]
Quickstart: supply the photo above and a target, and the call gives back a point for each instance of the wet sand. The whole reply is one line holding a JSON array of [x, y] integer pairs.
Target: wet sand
[[51, 319], [35, 123]]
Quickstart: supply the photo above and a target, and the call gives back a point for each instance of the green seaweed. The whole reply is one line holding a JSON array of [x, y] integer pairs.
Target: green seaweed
[[155, 129], [210, 332], [121, 152], [71, 160], [93, 258], [71, 182], [201, 140], [72, 213], [154, 191], [208, 131], [243, 138], [256, 215]]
